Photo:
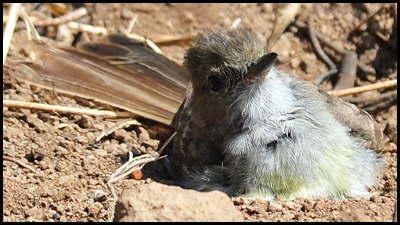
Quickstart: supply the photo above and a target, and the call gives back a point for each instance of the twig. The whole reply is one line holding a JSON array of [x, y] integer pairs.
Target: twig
[[362, 66], [331, 44], [65, 109], [73, 15], [347, 72], [116, 126], [9, 31], [314, 41], [356, 90], [8, 158], [87, 28], [316, 44], [325, 76]]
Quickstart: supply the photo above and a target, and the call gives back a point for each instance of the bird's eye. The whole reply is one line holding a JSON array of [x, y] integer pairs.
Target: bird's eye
[[215, 83]]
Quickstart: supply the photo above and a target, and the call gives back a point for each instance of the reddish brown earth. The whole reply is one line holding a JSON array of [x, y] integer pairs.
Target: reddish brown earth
[[71, 179]]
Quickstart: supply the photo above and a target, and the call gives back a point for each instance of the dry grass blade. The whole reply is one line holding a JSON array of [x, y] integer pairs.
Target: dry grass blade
[[8, 33], [8, 158], [30, 28], [131, 23], [148, 42], [87, 28], [282, 21], [166, 143], [65, 109], [170, 39], [140, 38], [118, 125], [134, 163]]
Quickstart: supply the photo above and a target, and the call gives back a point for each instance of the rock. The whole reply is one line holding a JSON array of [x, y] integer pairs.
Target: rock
[[159, 202], [275, 207], [319, 204], [354, 215], [66, 180], [85, 122]]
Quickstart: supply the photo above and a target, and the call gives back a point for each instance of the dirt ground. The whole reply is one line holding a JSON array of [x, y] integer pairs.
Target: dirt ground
[[71, 179]]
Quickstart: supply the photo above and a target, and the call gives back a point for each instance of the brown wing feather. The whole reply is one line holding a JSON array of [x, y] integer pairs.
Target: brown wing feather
[[120, 72]]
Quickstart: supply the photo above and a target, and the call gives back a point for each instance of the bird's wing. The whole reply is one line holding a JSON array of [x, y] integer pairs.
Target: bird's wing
[[362, 125], [117, 71]]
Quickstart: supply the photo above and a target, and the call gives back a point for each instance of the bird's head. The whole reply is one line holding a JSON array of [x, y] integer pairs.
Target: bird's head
[[223, 62]]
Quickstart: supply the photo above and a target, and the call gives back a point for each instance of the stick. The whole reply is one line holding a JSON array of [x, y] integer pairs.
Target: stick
[[316, 44], [330, 44], [356, 90], [325, 76], [347, 72], [65, 109], [87, 28], [73, 15], [118, 125], [8, 158]]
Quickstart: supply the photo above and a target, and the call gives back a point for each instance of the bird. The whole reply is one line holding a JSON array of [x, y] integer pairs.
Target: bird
[[242, 126], [249, 129]]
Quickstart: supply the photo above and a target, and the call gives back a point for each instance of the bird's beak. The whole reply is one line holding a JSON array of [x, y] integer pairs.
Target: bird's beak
[[261, 68]]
